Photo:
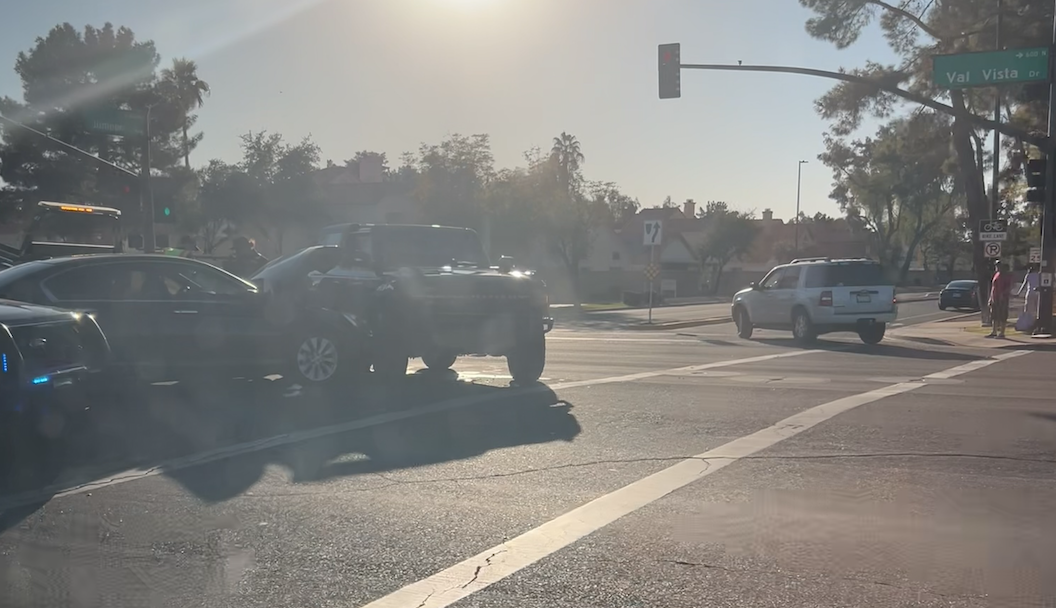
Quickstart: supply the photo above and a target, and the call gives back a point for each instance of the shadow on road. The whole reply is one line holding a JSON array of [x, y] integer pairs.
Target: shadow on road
[[879, 350], [502, 417], [175, 422]]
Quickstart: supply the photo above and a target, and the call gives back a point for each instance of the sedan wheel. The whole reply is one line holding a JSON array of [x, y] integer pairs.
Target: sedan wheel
[[317, 359]]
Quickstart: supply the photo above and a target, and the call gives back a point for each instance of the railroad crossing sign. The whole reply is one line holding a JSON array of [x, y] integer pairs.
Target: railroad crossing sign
[[1035, 255], [653, 232], [992, 249], [993, 230], [651, 272]]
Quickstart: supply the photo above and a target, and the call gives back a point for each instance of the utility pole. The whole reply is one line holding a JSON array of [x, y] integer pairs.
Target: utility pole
[[1048, 210], [995, 179], [146, 193], [799, 183]]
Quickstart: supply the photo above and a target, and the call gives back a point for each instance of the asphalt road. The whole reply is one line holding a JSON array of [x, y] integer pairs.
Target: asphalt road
[[910, 312], [667, 469]]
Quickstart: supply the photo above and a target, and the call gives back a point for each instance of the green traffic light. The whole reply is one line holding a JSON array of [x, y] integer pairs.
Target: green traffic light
[[167, 212]]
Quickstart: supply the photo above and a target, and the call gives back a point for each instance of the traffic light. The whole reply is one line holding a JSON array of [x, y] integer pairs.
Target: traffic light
[[164, 213], [670, 71], [1036, 168]]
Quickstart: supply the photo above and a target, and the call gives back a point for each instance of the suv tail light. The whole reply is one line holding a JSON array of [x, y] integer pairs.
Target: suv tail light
[[825, 299]]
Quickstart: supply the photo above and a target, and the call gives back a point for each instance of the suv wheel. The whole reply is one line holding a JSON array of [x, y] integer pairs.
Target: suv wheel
[[802, 328], [743, 322], [528, 358], [439, 360], [873, 334]]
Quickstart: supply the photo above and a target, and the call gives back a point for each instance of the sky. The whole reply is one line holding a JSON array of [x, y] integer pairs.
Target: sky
[[389, 75]]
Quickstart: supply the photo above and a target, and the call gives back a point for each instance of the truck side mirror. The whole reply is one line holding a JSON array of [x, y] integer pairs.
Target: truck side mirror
[[505, 263]]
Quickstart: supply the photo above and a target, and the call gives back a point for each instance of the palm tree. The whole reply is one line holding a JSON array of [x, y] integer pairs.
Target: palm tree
[[567, 155], [188, 92]]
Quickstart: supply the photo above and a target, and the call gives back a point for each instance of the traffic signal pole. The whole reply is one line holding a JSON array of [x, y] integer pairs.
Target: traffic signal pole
[[146, 193], [1043, 329]]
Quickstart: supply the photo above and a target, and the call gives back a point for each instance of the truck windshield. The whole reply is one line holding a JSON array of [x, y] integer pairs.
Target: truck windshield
[[428, 246], [69, 227]]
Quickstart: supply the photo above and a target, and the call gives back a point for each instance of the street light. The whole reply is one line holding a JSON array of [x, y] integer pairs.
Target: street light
[[799, 182]]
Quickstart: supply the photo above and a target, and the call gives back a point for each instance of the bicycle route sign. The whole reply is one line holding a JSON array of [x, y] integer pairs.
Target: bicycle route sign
[[993, 230]]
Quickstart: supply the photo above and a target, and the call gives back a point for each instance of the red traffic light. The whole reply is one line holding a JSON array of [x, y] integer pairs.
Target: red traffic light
[[126, 189], [667, 57]]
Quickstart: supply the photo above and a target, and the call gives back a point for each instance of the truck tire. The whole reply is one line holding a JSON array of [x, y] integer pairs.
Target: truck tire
[[528, 358]]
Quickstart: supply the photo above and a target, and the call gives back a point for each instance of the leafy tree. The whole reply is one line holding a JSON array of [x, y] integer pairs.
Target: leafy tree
[[568, 157], [66, 75], [947, 244], [281, 177], [181, 84], [896, 183], [729, 236], [224, 196], [667, 202], [452, 178], [713, 209], [915, 30], [607, 196]]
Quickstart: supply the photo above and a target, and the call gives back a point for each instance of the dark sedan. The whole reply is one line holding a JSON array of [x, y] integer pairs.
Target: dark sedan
[[172, 318], [960, 294]]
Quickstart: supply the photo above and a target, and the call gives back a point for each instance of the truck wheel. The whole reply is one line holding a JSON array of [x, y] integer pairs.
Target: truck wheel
[[439, 360], [527, 359]]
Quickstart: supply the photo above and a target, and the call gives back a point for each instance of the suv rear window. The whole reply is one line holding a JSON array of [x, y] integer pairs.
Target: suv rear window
[[847, 275]]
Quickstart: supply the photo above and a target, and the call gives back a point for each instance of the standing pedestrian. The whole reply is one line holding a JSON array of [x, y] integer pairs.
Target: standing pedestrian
[[246, 260], [1031, 282], [1000, 294]]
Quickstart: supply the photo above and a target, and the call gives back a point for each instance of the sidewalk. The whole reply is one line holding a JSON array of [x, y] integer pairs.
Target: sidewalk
[[966, 331]]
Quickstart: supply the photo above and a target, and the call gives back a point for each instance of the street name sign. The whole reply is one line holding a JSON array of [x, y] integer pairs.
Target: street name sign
[[114, 122], [653, 232], [990, 68]]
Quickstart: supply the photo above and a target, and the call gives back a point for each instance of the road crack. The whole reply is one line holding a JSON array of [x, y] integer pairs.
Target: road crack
[[487, 562]]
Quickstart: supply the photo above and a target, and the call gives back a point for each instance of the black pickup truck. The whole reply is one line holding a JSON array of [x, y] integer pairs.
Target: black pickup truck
[[431, 292]]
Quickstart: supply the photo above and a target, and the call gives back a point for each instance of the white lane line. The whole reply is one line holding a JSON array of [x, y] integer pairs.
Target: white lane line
[[686, 340], [183, 462], [488, 567]]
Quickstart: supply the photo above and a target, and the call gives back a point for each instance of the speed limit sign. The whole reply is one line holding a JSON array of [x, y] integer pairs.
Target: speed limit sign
[[992, 249]]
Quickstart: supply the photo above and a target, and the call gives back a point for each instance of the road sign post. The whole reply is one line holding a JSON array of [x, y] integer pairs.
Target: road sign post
[[990, 68], [653, 233]]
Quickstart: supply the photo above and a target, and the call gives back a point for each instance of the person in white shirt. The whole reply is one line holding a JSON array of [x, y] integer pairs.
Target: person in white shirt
[[1031, 283]]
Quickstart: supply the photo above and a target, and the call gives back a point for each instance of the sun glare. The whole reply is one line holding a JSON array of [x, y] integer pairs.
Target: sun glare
[[465, 4]]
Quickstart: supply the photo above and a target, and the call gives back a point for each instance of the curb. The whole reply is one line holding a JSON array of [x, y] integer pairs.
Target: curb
[[680, 324]]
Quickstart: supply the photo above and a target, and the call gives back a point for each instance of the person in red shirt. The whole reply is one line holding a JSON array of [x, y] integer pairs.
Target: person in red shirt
[[1000, 294]]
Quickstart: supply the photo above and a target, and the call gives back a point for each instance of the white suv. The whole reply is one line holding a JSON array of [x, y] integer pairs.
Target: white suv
[[819, 295]]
